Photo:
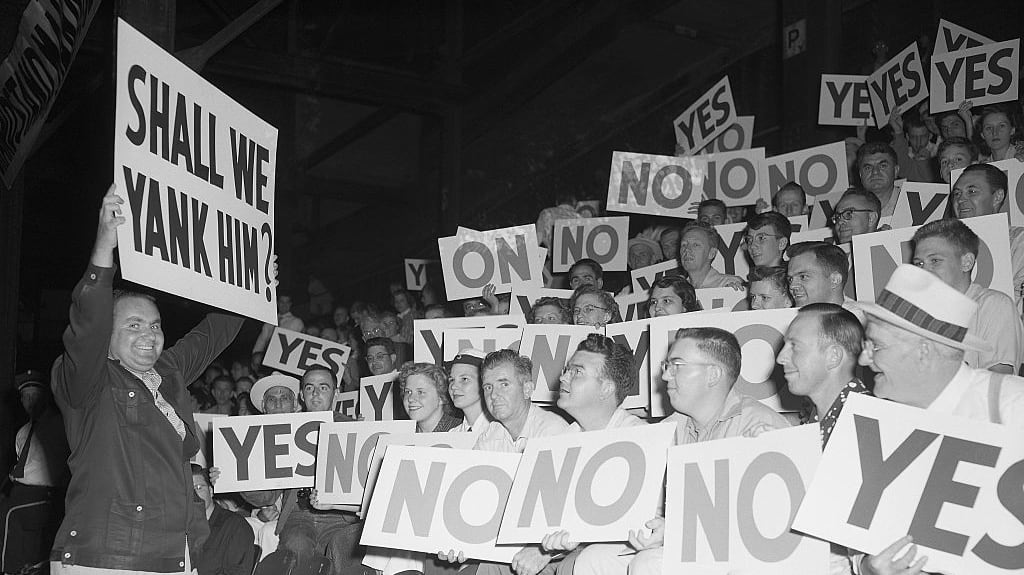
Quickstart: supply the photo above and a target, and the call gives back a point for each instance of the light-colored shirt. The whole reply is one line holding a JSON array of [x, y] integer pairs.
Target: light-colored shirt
[[475, 427], [539, 423], [620, 419], [1017, 263], [967, 395], [716, 279], [997, 322], [739, 416]]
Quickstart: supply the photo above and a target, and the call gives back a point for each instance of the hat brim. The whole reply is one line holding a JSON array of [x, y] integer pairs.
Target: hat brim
[[970, 342], [262, 386]]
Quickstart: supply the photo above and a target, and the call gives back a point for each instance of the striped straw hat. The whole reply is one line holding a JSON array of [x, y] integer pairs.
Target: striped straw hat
[[919, 302]]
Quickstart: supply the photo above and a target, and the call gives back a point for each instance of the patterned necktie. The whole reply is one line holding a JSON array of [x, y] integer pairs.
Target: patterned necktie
[[152, 380], [19, 468]]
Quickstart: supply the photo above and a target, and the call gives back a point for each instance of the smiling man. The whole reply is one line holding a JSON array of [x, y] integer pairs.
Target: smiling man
[[949, 249], [857, 212], [120, 390], [818, 273]]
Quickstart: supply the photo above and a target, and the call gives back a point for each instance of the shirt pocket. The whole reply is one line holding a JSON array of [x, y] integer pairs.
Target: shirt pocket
[[127, 404], [126, 526]]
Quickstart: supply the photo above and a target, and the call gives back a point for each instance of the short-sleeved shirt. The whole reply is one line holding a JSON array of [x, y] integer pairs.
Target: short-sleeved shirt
[[967, 395], [539, 423], [620, 419], [997, 322], [716, 279], [475, 427], [740, 416]]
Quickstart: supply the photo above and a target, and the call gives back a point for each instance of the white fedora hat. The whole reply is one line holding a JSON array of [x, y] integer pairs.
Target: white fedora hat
[[920, 302], [262, 385]]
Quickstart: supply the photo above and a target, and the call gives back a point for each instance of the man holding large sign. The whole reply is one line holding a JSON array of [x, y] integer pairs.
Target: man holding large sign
[[197, 170], [119, 390]]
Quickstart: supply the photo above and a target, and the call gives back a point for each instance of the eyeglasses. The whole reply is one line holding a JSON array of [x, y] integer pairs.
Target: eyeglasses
[[847, 214], [757, 239], [586, 310], [375, 332], [671, 366], [573, 371]]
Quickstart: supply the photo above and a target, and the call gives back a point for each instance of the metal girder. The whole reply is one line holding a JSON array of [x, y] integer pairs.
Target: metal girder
[[347, 191], [197, 56]]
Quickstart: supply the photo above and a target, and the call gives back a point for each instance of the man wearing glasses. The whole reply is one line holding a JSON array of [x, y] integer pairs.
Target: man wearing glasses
[[700, 373], [766, 238], [380, 355], [857, 212], [878, 167]]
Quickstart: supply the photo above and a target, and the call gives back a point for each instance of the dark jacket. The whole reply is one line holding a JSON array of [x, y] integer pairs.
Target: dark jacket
[[130, 502], [230, 549]]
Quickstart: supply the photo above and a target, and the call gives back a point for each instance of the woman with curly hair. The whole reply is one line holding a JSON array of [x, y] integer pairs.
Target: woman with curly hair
[[593, 306], [424, 388], [549, 310]]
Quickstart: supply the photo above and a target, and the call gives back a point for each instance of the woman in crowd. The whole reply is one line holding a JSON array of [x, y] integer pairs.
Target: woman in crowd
[[671, 295], [549, 310], [593, 306], [424, 388], [999, 125], [408, 310]]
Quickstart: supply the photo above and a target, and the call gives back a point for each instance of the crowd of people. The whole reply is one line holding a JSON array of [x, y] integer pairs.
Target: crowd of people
[[104, 481]]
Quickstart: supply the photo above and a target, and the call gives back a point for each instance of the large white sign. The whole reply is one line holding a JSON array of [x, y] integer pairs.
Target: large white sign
[[196, 171], [485, 340], [659, 185], [635, 335], [416, 273], [705, 119], [428, 334], [257, 452], [644, 277], [897, 86], [431, 498], [876, 256], [844, 100], [295, 352], [818, 170], [472, 259], [596, 485], [951, 37], [919, 203], [343, 457], [603, 240], [983, 75], [730, 504], [953, 484], [738, 136]]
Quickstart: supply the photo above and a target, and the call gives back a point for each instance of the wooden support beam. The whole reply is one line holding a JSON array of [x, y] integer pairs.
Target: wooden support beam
[[364, 126], [197, 56], [218, 11], [348, 191]]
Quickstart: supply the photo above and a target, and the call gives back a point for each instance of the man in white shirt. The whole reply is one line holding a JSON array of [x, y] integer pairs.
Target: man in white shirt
[[949, 249], [697, 249], [917, 333]]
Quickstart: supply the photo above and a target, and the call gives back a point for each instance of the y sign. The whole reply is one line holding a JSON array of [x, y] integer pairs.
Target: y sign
[[731, 503], [603, 240], [644, 277], [919, 204], [430, 498], [416, 273], [952, 483], [596, 485], [897, 86], [343, 457], [706, 119], [952, 37], [984, 75], [266, 451], [843, 100]]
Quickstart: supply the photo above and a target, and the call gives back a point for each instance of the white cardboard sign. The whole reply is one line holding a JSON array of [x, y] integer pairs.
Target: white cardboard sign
[[705, 119], [596, 485], [377, 397], [632, 306], [635, 335], [738, 136], [738, 178], [196, 171], [294, 352], [952, 483], [603, 240], [876, 256], [550, 346], [256, 452], [644, 277], [430, 498], [731, 258], [428, 334], [472, 260], [897, 86], [761, 335], [984, 75], [204, 433], [485, 340], [347, 403], [730, 505], [416, 273], [525, 295], [723, 298], [343, 457], [658, 185], [844, 100], [951, 37], [919, 204], [819, 170]]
